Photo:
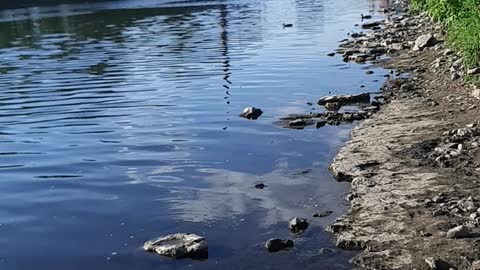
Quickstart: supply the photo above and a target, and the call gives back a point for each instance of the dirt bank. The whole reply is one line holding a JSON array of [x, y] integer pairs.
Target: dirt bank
[[414, 165]]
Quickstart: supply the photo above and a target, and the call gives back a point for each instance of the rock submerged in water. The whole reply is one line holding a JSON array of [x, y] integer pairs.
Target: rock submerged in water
[[179, 246], [297, 224], [260, 186], [251, 113], [371, 25], [321, 214], [276, 244], [297, 123]]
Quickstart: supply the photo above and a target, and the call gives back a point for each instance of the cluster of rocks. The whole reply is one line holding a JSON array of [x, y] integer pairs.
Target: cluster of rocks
[[454, 145], [465, 210], [401, 33], [295, 225], [332, 116], [450, 63], [391, 35], [189, 245]]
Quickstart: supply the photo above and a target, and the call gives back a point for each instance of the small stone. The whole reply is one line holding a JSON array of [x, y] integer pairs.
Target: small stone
[[424, 41], [321, 124], [360, 59], [332, 54], [439, 199], [369, 72], [459, 232], [297, 224], [448, 52], [454, 76], [251, 113], [325, 213], [347, 117], [276, 244], [325, 251], [297, 123], [333, 106], [437, 264], [407, 87], [260, 186], [439, 212], [425, 234]]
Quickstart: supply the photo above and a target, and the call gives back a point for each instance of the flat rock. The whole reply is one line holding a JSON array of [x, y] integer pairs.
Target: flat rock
[[345, 99], [297, 123], [371, 25], [321, 214], [179, 246]]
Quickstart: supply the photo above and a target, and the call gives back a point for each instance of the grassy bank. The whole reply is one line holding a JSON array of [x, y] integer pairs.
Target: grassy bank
[[462, 20]]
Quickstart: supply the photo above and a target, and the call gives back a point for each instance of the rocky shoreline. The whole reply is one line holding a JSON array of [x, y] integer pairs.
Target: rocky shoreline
[[414, 166]]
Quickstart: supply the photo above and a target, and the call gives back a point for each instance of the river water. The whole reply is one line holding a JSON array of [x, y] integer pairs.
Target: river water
[[119, 123]]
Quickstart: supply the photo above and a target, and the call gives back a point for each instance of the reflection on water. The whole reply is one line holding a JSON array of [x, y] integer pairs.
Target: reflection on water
[[119, 123]]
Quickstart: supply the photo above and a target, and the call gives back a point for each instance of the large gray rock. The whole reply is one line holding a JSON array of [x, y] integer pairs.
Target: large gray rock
[[459, 232], [251, 113], [179, 246], [297, 224], [424, 41]]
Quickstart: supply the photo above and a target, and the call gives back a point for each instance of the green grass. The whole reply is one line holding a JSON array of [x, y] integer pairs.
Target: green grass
[[462, 21]]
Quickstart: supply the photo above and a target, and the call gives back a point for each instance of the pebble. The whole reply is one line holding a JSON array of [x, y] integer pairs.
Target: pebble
[[297, 224]]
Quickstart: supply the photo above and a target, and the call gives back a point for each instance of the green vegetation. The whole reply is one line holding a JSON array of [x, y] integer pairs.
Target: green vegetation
[[462, 21]]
